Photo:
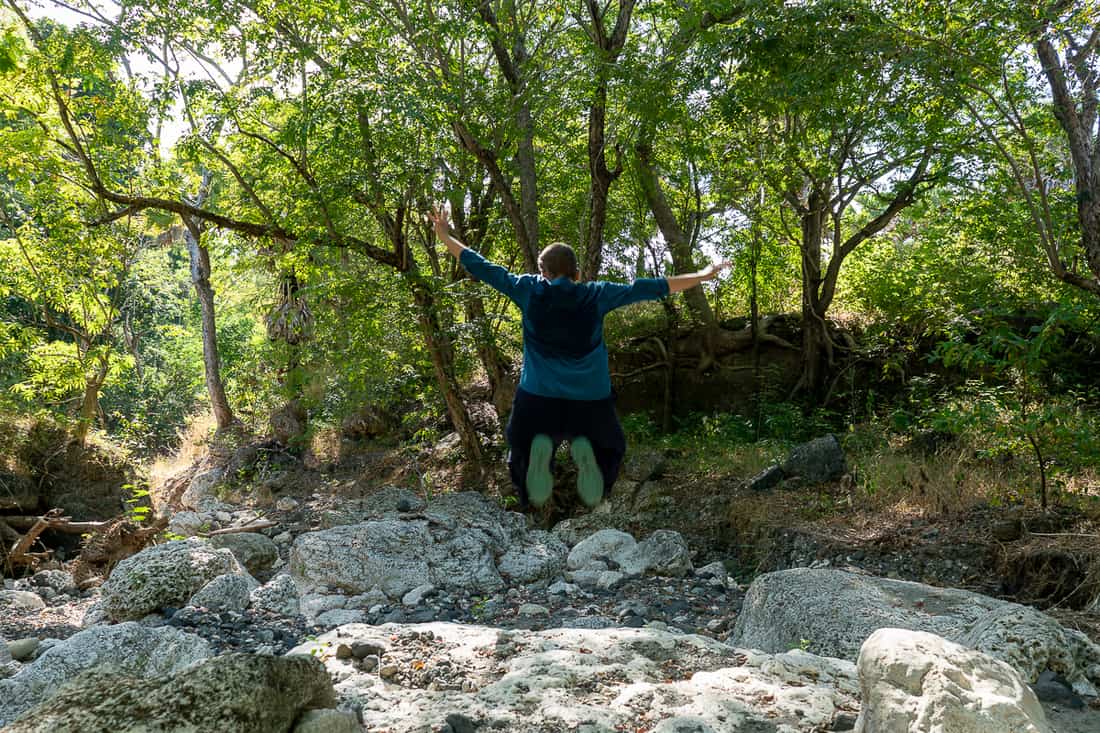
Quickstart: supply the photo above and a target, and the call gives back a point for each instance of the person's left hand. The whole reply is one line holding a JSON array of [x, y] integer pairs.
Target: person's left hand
[[440, 219]]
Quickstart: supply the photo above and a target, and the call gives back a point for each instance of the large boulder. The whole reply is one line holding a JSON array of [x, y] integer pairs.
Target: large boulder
[[664, 552], [163, 576], [127, 648], [452, 544], [832, 613], [236, 692], [915, 682], [357, 557], [254, 551]]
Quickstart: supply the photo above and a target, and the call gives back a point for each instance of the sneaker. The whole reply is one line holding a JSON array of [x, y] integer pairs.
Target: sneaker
[[540, 481], [589, 477]]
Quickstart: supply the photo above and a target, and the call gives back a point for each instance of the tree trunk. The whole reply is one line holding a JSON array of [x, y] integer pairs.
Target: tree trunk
[[89, 403], [1078, 120], [678, 242], [501, 383], [442, 355], [200, 278], [815, 339], [608, 48]]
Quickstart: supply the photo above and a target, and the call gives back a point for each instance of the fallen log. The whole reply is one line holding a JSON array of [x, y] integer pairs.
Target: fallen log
[[254, 527]]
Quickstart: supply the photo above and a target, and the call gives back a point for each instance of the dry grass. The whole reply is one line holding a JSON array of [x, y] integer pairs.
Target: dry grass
[[194, 444], [951, 481]]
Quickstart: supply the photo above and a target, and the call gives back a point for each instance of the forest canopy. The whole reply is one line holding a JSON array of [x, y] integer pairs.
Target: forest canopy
[[221, 206]]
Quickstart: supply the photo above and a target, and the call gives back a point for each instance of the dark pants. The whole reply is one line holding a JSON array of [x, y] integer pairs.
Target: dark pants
[[563, 419]]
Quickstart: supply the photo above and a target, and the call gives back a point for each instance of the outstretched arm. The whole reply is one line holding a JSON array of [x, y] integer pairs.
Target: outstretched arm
[[676, 283], [441, 223], [491, 274]]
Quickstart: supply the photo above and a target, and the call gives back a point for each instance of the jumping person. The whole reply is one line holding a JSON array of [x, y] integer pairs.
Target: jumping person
[[565, 388]]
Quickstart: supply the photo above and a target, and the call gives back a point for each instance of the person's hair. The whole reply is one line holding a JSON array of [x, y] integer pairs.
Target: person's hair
[[558, 259]]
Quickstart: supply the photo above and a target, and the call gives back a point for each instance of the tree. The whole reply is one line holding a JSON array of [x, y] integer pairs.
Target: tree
[[854, 131]]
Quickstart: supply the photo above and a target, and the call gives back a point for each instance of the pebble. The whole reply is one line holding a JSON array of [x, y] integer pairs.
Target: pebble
[[388, 671]]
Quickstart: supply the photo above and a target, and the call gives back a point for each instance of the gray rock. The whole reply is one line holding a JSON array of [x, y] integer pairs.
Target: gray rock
[[767, 479], [340, 617], [643, 465], [712, 570], [59, 581], [286, 504], [199, 494], [417, 595], [128, 648], [393, 500], [358, 557], [664, 552], [94, 614], [188, 524], [278, 596], [327, 721], [571, 531], [5, 653], [21, 600], [254, 551], [533, 609], [836, 611], [822, 459], [921, 683], [539, 555], [21, 650], [239, 692], [609, 579], [163, 575], [609, 546], [397, 556], [474, 510], [228, 592], [543, 681]]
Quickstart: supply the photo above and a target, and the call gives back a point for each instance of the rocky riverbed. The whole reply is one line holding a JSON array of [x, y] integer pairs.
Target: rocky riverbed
[[456, 615]]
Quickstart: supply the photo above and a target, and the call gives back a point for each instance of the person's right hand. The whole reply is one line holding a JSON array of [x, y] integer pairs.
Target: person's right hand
[[712, 271]]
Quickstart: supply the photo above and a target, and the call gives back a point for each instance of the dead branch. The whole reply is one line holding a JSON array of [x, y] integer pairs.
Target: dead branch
[[61, 524]]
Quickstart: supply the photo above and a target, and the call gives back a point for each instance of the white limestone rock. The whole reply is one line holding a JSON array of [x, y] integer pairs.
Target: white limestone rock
[[163, 576], [586, 680], [916, 682]]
